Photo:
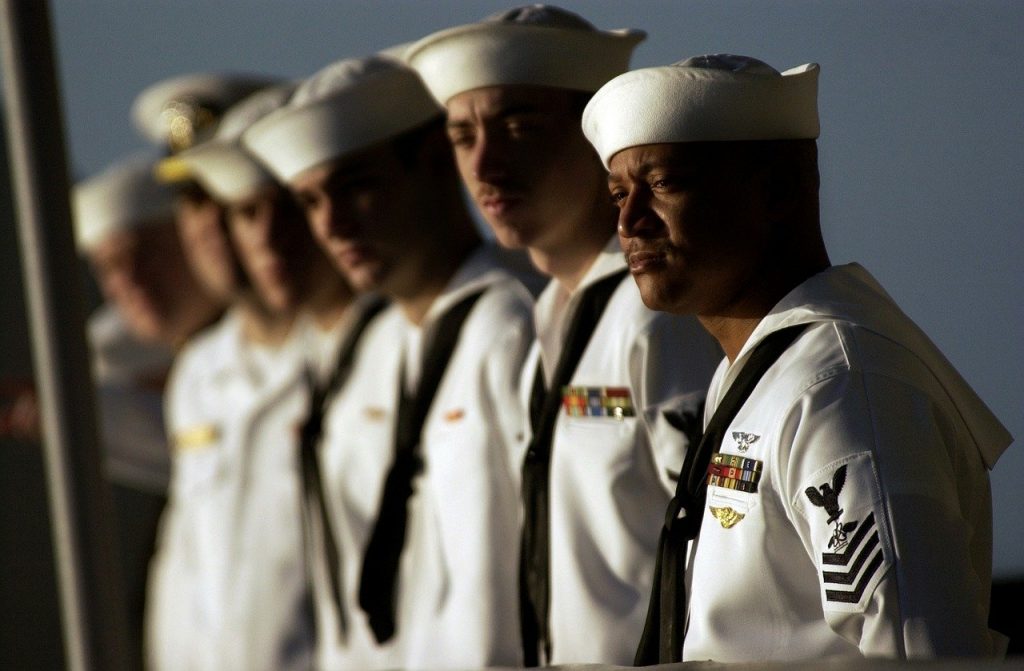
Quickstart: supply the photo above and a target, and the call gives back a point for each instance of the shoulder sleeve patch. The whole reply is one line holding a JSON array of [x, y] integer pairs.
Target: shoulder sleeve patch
[[849, 531]]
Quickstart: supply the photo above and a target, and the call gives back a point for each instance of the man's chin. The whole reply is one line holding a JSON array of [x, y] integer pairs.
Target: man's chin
[[361, 279], [280, 302], [147, 329], [653, 293], [509, 236]]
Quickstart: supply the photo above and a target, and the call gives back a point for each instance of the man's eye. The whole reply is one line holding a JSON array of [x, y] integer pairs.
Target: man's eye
[[618, 197], [669, 182], [361, 184], [352, 185], [520, 130], [461, 139]]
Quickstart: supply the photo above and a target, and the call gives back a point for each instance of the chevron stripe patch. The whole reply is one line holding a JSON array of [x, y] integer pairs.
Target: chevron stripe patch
[[858, 565], [849, 531]]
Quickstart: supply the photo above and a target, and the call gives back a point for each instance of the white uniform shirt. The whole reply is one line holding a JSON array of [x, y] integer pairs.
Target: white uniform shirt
[[862, 524], [609, 484], [129, 398], [228, 585], [355, 454], [457, 599]]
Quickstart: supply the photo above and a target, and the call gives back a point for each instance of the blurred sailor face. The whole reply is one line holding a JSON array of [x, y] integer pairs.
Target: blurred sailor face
[[525, 162], [204, 239], [274, 246], [366, 211], [693, 224], [143, 273]]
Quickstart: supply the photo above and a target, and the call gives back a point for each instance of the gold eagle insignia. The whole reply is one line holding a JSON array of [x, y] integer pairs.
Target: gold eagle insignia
[[726, 516]]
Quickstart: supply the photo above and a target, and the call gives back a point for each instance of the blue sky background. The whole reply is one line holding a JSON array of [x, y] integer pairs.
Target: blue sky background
[[922, 147]]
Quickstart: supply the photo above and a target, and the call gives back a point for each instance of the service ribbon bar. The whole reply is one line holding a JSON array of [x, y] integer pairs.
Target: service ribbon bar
[[598, 402], [731, 471]]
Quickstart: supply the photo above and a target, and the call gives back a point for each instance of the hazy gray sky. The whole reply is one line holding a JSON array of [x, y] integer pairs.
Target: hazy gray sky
[[922, 146]]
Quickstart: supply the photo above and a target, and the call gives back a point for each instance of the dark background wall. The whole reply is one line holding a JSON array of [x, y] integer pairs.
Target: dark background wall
[[29, 615]]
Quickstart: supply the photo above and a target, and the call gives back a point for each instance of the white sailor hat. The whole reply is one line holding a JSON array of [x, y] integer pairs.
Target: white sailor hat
[[222, 165], [710, 98], [347, 106], [180, 112], [537, 45], [124, 196]]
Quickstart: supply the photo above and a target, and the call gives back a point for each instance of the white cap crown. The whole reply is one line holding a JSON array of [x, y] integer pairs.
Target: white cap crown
[[123, 197], [182, 111], [536, 45], [222, 165], [349, 105], [710, 98]]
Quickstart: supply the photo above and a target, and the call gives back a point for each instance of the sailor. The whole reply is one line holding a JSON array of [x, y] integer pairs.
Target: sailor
[[229, 586], [841, 492], [176, 114], [124, 226], [417, 462], [605, 370]]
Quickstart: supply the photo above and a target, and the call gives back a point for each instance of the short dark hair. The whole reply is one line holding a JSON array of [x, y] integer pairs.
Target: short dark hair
[[409, 144], [191, 190]]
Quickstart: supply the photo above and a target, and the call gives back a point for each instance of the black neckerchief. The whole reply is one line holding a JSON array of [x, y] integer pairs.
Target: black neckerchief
[[377, 585], [535, 559], [662, 640], [310, 434]]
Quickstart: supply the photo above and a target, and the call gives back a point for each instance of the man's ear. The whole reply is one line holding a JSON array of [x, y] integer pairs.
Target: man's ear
[[435, 153], [779, 179]]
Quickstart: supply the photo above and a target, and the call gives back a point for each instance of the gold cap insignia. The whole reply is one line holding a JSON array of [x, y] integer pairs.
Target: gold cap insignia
[[187, 122]]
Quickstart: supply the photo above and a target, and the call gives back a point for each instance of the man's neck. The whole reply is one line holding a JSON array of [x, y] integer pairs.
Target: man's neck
[[733, 325], [433, 279], [569, 261], [328, 302], [201, 317], [262, 327], [730, 332], [567, 267]]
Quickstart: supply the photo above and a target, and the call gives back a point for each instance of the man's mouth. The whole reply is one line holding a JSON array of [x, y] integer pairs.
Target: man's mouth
[[498, 204], [641, 261], [352, 256]]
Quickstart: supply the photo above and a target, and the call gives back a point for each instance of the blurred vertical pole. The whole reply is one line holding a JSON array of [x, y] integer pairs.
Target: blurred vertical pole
[[91, 600]]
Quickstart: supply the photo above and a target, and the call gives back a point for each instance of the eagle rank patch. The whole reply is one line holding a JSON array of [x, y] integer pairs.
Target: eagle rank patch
[[848, 531]]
